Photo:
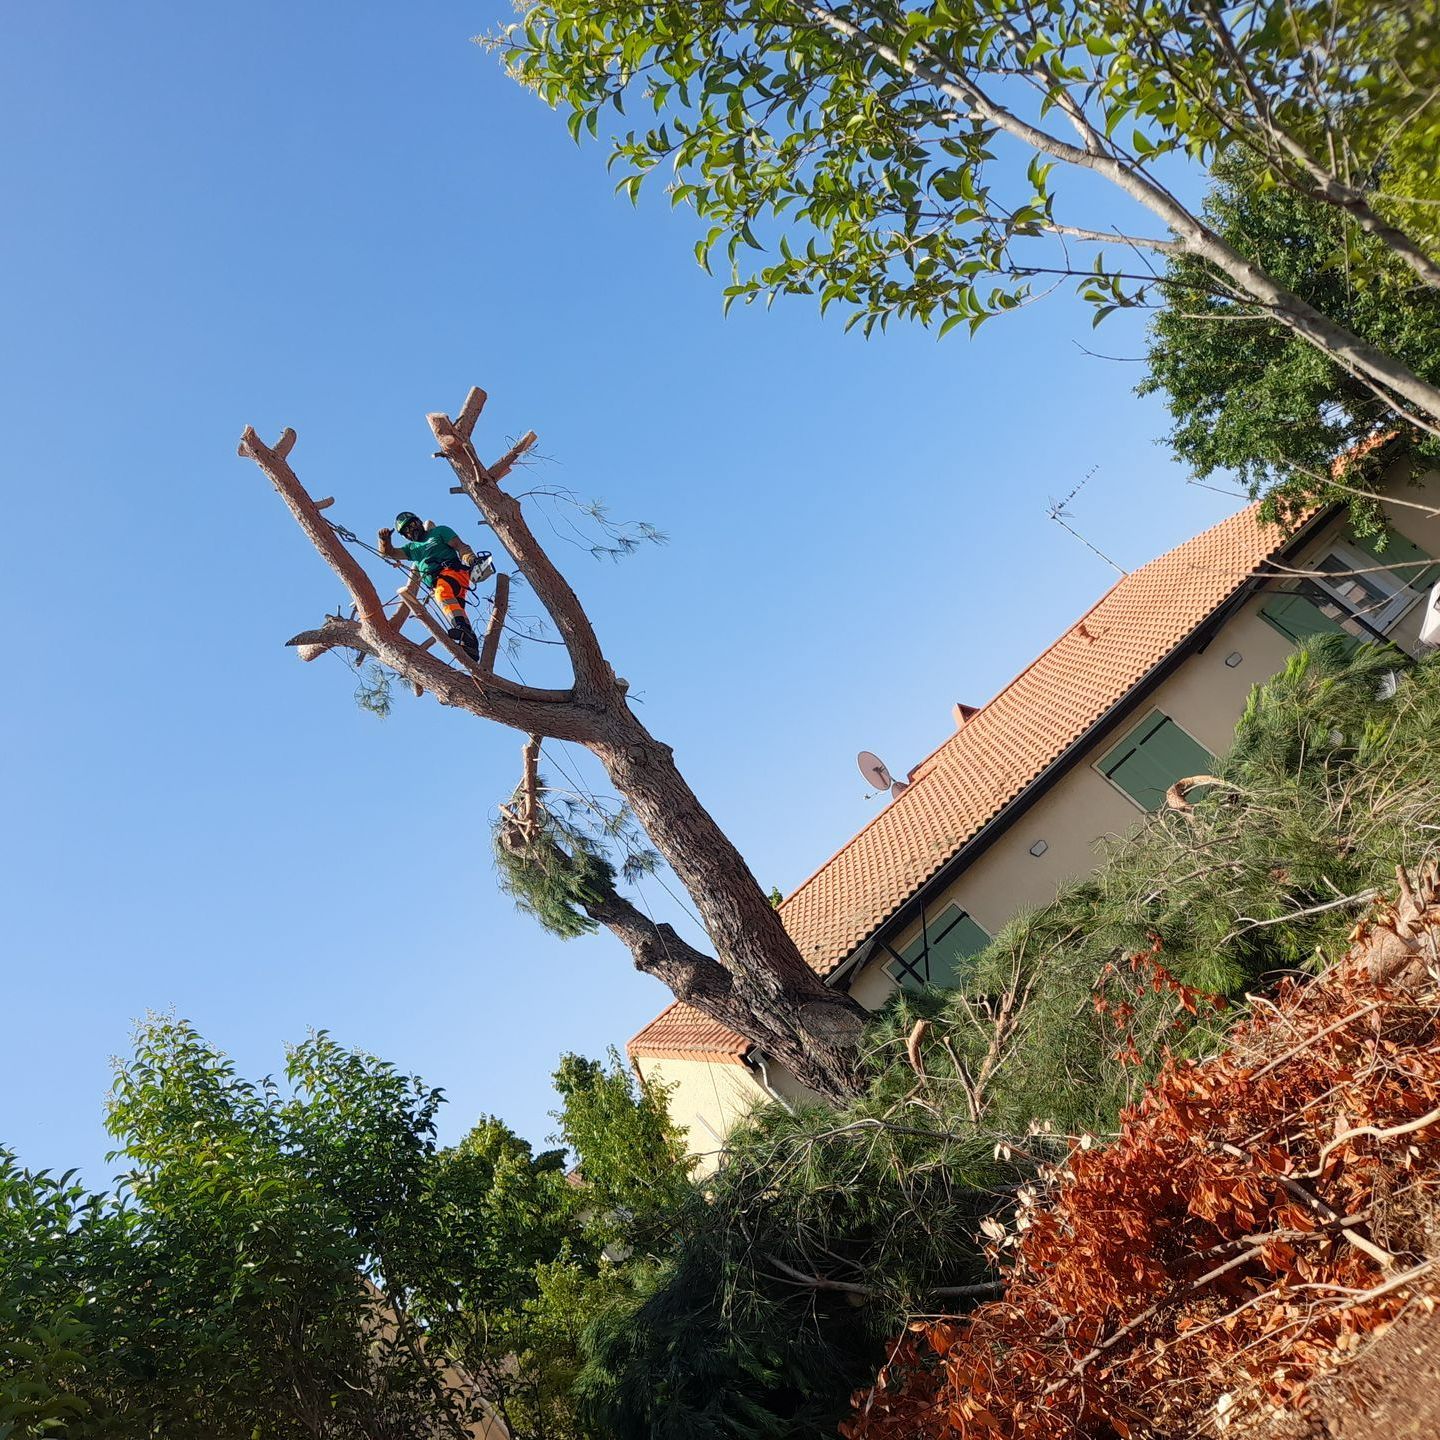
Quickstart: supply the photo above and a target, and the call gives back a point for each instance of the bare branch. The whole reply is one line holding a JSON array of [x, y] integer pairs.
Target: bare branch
[[503, 466], [500, 606], [1136, 242], [491, 684], [530, 783], [502, 513], [317, 529]]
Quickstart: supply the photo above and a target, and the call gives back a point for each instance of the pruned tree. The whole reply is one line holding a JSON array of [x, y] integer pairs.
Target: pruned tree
[[757, 982]]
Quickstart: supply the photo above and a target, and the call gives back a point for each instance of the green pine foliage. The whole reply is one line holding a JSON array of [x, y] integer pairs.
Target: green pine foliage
[[552, 879]]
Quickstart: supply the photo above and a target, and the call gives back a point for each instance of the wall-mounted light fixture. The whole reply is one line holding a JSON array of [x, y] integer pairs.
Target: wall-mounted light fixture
[[1039, 848], [1233, 659]]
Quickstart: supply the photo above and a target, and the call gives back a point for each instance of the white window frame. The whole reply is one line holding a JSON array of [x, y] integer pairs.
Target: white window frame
[[1385, 617]]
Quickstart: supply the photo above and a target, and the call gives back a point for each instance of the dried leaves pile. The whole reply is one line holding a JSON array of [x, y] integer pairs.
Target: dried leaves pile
[[1258, 1215]]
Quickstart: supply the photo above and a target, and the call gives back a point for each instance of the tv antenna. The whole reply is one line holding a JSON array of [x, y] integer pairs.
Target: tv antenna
[[1058, 512], [872, 767]]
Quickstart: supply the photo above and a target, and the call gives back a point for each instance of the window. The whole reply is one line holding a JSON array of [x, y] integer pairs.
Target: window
[[939, 954], [1297, 617], [1151, 758], [1380, 597]]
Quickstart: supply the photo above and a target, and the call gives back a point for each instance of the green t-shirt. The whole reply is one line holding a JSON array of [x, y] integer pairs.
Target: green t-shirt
[[436, 552]]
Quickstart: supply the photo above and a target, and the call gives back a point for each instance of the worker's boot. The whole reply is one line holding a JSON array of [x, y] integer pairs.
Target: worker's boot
[[464, 636]]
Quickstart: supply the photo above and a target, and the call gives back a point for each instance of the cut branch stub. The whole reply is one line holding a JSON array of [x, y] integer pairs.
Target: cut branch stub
[[490, 647], [470, 411], [503, 466]]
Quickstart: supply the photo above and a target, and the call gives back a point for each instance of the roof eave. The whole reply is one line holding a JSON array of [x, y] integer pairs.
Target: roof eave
[[1012, 811]]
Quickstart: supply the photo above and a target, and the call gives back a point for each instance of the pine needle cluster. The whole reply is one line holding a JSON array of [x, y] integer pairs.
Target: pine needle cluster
[[555, 876]]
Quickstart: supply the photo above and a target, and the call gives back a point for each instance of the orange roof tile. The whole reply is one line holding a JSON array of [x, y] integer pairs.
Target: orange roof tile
[[1006, 745], [681, 1032]]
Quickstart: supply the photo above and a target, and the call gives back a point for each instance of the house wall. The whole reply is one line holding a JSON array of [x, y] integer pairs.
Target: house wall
[[708, 1098], [1083, 809]]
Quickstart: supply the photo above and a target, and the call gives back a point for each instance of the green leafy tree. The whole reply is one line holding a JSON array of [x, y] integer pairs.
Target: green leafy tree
[[898, 159], [296, 1260], [44, 1330], [1245, 393], [632, 1162], [506, 1216]]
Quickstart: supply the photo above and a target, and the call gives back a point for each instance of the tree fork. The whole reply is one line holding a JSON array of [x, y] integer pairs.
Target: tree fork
[[769, 994]]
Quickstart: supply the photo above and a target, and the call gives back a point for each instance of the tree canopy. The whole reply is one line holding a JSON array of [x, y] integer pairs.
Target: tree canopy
[[296, 1259], [1245, 394], [899, 160]]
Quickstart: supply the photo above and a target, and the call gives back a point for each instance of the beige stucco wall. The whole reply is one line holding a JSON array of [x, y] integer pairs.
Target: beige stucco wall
[[707, 1099], [1204, 697]]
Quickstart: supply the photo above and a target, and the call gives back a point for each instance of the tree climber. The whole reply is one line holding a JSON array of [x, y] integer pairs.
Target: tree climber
[[444, 562]]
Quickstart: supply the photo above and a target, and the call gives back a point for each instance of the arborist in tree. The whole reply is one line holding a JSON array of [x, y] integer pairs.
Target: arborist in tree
[[446, 565]]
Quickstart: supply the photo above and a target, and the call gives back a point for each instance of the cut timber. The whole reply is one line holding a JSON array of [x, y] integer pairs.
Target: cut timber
[[326, 503], [470, 411], [503, 466], [490, 647]]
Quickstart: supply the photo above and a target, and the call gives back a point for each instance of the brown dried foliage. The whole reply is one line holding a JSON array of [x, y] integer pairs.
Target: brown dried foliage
[[1257, 1216]]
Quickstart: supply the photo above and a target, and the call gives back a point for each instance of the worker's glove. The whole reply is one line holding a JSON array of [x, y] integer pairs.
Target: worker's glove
[[384, 534]]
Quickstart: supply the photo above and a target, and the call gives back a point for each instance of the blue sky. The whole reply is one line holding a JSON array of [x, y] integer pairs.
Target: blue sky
[[339, 218]]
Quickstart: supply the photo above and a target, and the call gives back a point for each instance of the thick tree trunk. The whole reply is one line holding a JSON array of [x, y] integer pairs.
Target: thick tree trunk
[[703, 982], [767, 1016], [811, 1028]]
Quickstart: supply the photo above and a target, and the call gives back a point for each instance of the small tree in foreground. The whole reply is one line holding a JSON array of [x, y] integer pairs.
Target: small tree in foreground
[[757, 982]]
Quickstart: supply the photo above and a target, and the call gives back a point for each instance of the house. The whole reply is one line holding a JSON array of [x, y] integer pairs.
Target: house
[[1143, 689]]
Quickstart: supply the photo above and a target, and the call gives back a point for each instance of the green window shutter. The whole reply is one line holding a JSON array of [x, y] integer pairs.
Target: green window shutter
[[950, 954], [938, 956], [1398, 550], [1297, 618], [1152, 757]]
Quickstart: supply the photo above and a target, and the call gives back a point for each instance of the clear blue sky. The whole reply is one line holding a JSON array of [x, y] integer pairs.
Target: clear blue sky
[[339, 218]]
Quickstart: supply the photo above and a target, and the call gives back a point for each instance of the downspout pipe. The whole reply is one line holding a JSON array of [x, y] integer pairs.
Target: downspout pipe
[[756, 1058]]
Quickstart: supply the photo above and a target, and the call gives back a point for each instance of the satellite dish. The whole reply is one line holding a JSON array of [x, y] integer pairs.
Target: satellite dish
[[872, 767]]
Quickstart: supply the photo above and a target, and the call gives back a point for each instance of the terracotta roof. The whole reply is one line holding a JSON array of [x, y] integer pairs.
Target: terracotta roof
[[1004, 747], [681, 1032], [997, 752]]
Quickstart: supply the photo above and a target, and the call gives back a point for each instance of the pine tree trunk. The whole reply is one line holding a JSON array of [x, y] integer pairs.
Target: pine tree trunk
[[811, 1028]]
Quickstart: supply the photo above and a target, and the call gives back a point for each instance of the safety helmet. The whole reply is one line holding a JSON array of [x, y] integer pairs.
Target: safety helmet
[[404, 518]]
